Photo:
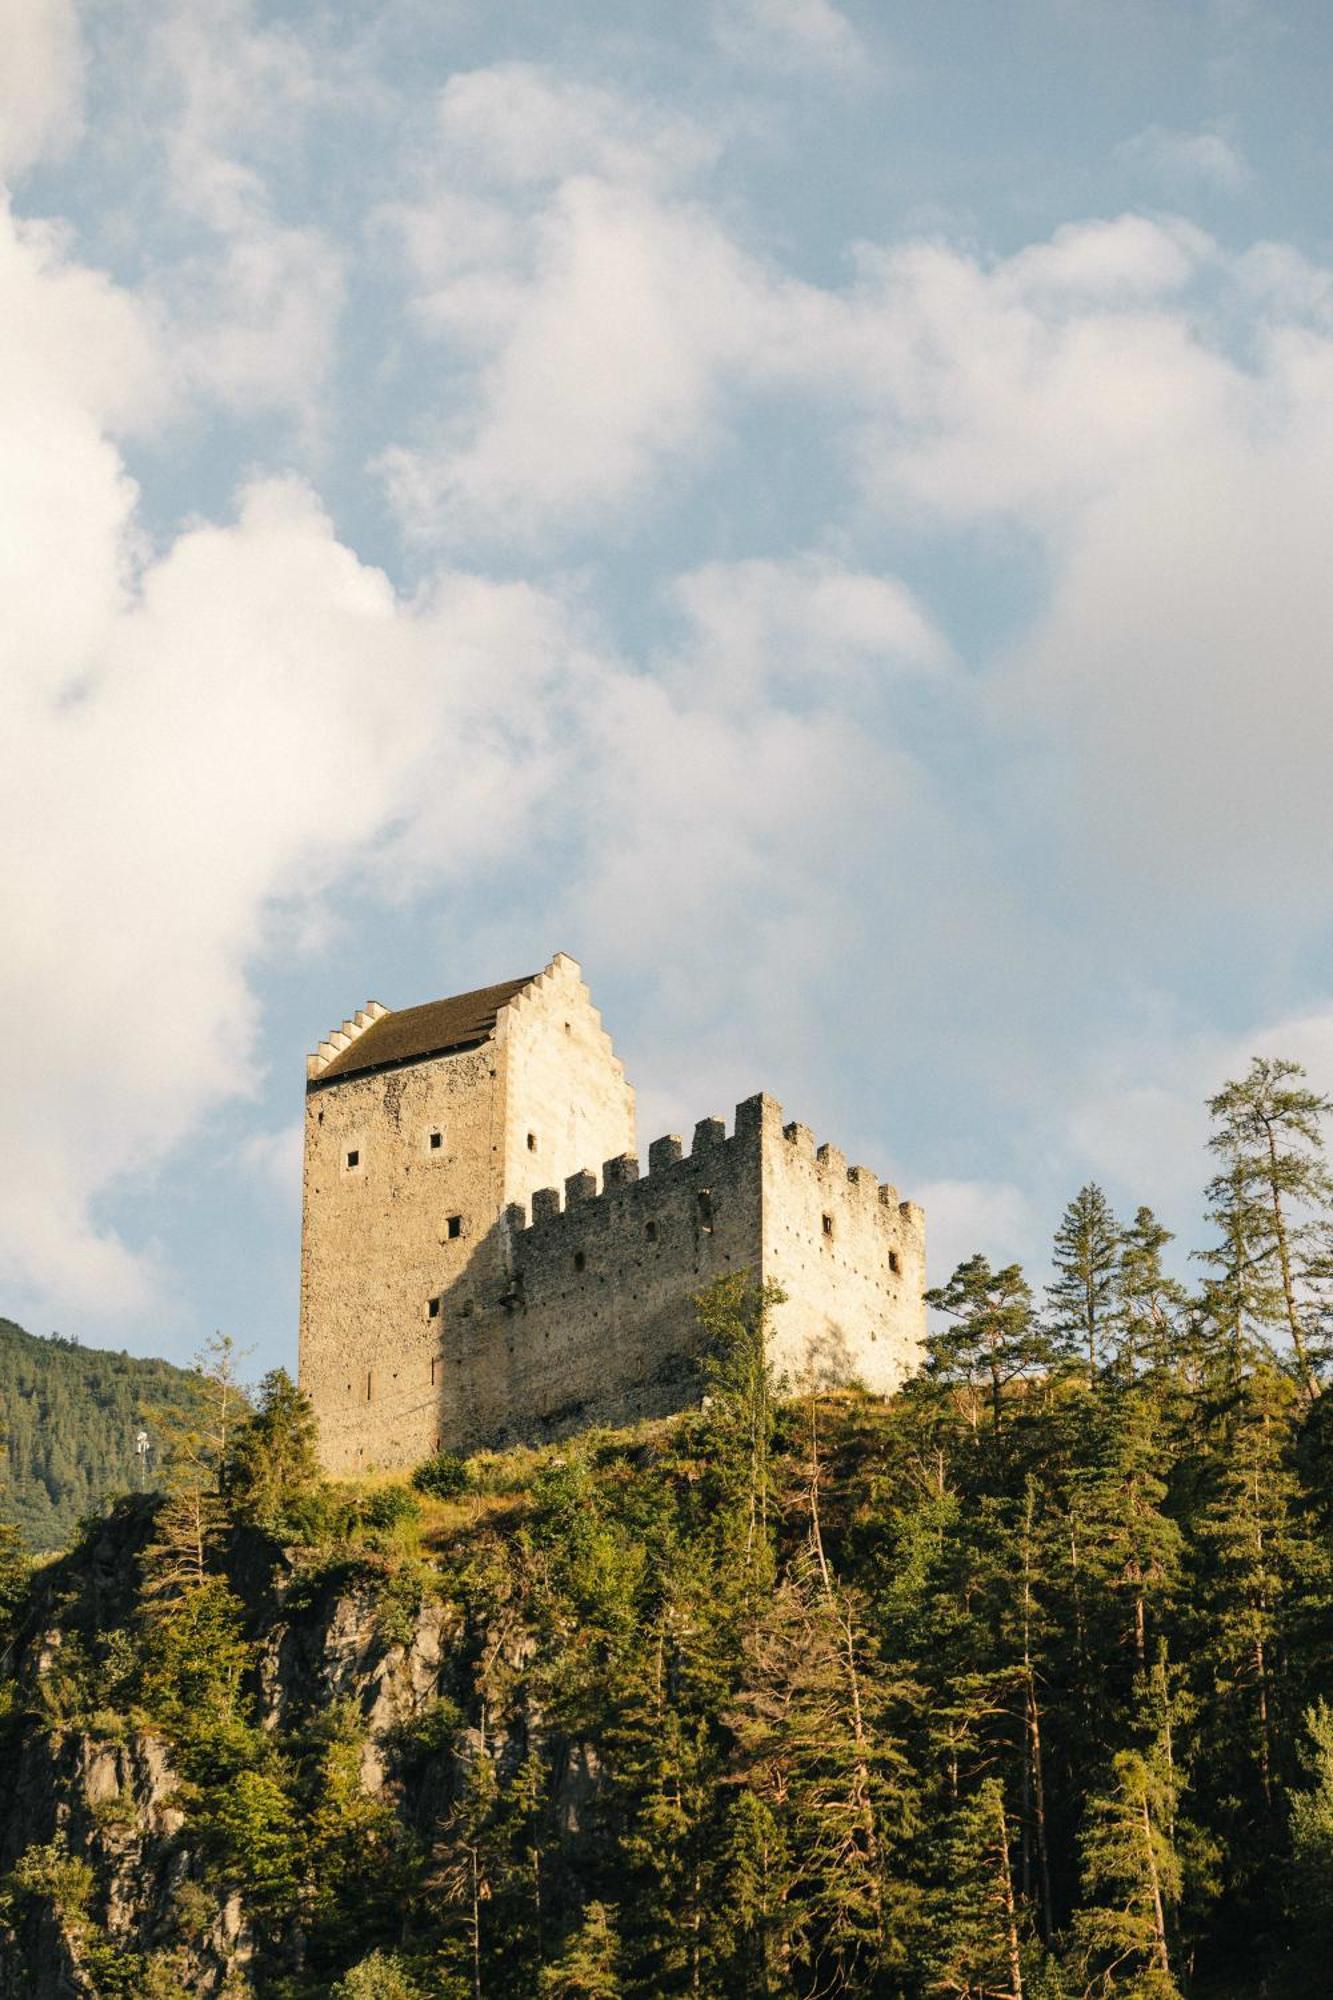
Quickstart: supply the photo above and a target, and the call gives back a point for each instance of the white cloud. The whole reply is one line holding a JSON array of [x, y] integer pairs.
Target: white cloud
[[1141, 1118], [252, 305], [798, 630], [517, 126], [964, 1217], [41, 81], [790, 35], [193, 740], [274, 1158], [627, 315], [1180, 158]]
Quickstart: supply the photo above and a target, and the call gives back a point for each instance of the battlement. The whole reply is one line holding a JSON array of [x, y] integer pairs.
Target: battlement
[[757, 1124], [343, 1037]]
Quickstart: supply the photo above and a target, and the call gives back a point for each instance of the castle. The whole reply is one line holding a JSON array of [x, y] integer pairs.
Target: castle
[[450, 1297]]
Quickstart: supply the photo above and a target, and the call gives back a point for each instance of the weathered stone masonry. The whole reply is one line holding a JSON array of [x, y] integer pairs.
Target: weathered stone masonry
[[468, 1280]]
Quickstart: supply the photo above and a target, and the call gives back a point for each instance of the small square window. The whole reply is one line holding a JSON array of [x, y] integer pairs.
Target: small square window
[[454, 1226], [436, 1141], [354, 1158], [650, 1231], [433, 1309], [532, 1142], [578, 1260], [828, 1225]]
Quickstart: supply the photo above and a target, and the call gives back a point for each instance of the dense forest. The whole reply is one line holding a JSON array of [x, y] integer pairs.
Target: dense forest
[[69, 1416], [1013, 1687]]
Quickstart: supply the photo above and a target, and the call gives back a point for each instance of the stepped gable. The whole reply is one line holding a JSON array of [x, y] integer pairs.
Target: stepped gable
[[413, 1034]]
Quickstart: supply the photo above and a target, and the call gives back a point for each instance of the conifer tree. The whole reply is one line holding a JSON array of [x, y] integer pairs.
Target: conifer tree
[[1083, 1301], [1269, 1133], [973, 1948], [1311, 1892], [586, 1968], [272, 1463], [1131, 1882], [1150, 1305], [994, 1340]]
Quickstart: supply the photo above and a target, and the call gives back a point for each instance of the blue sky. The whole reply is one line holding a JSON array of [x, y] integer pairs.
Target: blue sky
[[822, 513]]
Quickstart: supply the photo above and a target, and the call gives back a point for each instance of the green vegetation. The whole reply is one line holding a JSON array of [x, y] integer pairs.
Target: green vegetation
[[1016, 1687], [69, 1416]]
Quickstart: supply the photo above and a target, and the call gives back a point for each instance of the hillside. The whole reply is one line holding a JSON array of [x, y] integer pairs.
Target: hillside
[[1010, 1696], [70, 1415]]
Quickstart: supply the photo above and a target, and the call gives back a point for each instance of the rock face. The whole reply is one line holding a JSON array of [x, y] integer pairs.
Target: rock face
[[100, 1850]]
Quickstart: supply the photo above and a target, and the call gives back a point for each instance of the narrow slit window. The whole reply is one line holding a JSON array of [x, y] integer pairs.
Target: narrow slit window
[[432, 1309], [828, 1227], [454, 1226], [895, 1262], [532, 1142], [370, 1385], [434, 1365], [650, 1231], [578, 1260], [705, 1211]]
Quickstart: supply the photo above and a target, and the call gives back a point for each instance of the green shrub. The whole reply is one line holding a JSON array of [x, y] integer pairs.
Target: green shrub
[[389, 1507], [382, 1976], [444, 1477]]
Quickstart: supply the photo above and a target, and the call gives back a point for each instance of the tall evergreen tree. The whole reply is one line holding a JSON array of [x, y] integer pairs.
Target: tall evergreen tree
[[973, 1947], [1131, 1883], [994, 1340], [272, 1462], [1150, 1305], [1269, 1133], [1083, 1300]]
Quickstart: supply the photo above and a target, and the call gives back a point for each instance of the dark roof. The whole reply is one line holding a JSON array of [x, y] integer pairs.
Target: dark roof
[[415, 1033]]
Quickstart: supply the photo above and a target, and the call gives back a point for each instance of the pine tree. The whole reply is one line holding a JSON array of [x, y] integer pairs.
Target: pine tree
[[1311, 1892], [1269, 1133], [587, 1966], [1131, 1883], [995, 1339], [272, 1463], [973, 1948], [1083, 1300], [1150, 1305], [735, 1317]]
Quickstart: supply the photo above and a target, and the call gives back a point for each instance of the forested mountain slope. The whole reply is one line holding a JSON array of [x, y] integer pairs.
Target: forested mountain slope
[[68, 1418], [1001, 1698]]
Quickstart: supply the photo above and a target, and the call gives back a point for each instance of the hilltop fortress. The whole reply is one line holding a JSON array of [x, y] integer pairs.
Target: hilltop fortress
[[466, 1281]]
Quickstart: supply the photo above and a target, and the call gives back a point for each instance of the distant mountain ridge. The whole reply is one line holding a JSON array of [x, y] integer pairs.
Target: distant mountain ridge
[[69, 1416]]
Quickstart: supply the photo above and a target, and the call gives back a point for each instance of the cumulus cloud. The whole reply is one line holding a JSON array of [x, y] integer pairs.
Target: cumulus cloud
[[1179, 159], [786, 35], [41, 81], [195, 739], [249, 296], [798, 630], [606, 308], [967, 1217]]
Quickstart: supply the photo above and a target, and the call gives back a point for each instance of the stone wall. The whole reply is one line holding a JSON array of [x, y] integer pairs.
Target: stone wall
[[567, 1102], [376, 1245]]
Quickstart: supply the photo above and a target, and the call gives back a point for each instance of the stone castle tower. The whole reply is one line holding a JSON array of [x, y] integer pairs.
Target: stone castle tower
[[450, 1297]]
